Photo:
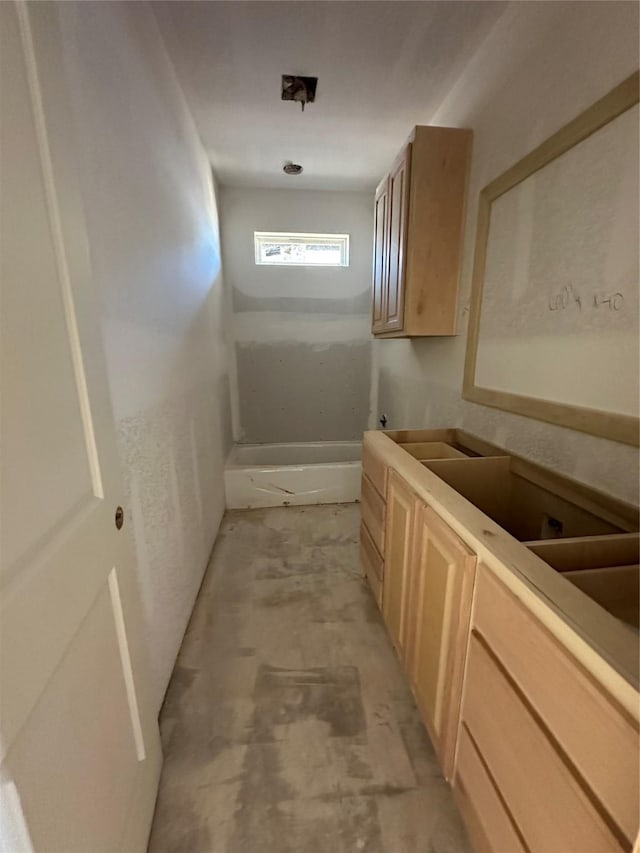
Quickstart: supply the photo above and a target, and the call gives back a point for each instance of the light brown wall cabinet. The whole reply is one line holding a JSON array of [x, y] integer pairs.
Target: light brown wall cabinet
[[418, 225], [523, 723]]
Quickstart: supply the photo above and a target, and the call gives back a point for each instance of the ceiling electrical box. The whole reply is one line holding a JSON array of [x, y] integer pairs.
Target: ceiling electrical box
[[301, 89]]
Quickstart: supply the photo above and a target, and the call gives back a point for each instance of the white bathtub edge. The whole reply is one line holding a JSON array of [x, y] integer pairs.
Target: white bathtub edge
[[292, 485]]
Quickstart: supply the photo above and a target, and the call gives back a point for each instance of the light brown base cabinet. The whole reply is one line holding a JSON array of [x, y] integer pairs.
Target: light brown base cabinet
[[526, 677], [438, 610], [400, 516]]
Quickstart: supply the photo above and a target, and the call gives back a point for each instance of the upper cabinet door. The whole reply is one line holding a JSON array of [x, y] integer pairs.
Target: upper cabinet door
[[419, 216], [398, 218], [380, 256], [438, 628]]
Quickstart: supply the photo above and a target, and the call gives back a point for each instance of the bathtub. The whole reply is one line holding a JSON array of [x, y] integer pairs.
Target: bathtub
[[259, 475]]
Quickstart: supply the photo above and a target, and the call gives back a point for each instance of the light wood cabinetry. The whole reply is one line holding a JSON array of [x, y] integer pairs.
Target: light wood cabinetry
[[526, 766], [398, 212], [373, 508], [527, 686], [488, 823], [418, 224], [380, 257], [372, 563], [438, 611], [375, 469], [573, 720], [427, 586], [401, 508], [372, 530]]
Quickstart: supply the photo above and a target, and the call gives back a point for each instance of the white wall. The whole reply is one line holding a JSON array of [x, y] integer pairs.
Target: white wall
[[302, 335], [542, 64], [152, 220]]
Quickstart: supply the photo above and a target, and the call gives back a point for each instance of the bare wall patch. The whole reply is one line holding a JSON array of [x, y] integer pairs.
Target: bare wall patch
[[297, 392]]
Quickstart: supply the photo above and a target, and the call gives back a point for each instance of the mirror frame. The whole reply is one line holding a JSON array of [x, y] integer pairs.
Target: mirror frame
[[617, 427]]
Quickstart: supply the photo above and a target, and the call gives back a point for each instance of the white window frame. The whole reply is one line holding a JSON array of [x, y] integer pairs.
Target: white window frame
[[262, 237]]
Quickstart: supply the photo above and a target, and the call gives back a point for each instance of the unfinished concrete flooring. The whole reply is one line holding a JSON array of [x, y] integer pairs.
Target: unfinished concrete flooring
[[288, 726]]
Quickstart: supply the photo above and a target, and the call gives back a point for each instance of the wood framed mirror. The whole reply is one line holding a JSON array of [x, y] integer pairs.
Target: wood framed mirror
[[553, 329]]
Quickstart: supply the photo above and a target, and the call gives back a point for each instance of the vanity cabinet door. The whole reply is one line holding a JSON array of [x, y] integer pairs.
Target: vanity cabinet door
[[380, 256], [401, 509], [436, 633]]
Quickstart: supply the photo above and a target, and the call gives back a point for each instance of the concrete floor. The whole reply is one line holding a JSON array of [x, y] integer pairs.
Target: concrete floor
[[288, 726]]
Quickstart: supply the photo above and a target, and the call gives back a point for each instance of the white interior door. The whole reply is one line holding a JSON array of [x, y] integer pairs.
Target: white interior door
[[79, 750]]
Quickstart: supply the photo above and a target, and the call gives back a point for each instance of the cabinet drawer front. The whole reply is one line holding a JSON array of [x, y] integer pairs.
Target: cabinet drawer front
[[546, 802], [600, 740], [372, 562], [376, 588], [375, 469], [372, 506], [487, 820]]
